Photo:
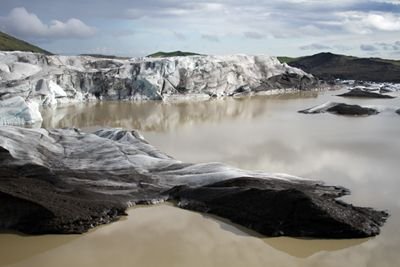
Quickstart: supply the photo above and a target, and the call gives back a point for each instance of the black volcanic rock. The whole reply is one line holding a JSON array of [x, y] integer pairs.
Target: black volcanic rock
[[281, 208], [288, 80], [66, 181], [341, 109], [364, 94], [354, 110], [282, 81], [328, 66], [398, 111]]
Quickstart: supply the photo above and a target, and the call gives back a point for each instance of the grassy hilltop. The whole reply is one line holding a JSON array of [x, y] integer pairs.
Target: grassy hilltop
[[9, 43]]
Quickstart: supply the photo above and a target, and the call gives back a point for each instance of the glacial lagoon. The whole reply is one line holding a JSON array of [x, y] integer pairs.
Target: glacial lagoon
[[256, 133]]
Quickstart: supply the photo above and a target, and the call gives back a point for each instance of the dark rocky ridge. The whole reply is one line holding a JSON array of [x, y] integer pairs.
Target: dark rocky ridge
[[364, 94], [328, 66], [173, 54], [66, 181]]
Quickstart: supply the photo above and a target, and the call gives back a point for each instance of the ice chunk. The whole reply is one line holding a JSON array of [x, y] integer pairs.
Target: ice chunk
[[17, 111]]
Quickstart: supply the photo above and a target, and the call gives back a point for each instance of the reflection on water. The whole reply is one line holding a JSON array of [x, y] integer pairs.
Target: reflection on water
[[296, 247], [161, 236], [160, 116], [15, 248], [264, 133], [302, 248]]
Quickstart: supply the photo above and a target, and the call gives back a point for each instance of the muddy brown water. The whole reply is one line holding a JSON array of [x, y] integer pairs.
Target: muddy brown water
[[262, 133]]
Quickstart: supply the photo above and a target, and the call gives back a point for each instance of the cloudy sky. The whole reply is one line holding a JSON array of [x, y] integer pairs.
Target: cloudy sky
[[274, 27]]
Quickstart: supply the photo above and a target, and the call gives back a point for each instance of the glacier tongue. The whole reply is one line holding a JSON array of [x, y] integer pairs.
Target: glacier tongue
[[54, 79]]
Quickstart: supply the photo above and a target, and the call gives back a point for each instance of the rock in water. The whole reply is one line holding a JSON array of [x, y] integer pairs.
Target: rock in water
[[277, 208], [341, 109], [364, 94], [67, 181], [355, 110], [398, 111]]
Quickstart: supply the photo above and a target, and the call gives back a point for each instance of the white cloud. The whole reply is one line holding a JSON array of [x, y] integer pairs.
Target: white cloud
[[386, 22], [24, 24], [184, 9], [367, 22]]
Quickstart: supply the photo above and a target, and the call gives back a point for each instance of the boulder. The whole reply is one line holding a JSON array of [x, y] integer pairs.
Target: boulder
[[277, 208], [364, 94], [341, 109]]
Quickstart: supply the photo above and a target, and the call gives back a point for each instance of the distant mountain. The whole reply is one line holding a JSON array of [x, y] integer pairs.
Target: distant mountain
[[105, 56], [173, 54], [9, 43], [328, 66]]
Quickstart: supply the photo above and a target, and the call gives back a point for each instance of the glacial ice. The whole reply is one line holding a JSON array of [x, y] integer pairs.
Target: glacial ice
[[59, 79], [17, 111]]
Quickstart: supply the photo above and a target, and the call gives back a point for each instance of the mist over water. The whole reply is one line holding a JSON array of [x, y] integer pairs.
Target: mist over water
[[256, 133]]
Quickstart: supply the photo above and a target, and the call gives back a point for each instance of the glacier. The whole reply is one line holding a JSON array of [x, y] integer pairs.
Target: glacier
[[49, 80], [58, 79]]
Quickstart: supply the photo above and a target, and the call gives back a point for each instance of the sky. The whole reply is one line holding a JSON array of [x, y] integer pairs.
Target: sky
[[368, 28]]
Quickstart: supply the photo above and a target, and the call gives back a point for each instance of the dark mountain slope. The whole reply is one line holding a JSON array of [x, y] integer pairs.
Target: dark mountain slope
[[173, 54], [328, 66]]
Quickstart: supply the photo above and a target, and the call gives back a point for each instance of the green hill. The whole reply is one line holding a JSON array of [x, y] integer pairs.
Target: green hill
[[104, 56], [9, 43], [328, 66], [287, 59], [173, 54]]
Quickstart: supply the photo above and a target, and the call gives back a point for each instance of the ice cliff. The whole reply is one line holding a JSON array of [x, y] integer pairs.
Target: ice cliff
[[56, 79]]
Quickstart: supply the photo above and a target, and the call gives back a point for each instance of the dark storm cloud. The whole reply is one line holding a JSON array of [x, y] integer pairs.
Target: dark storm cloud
[[315, 47], [179, 36], [253, 35], [390, 46], [368, 6], [380, 47], [368, 48], [210, 37]]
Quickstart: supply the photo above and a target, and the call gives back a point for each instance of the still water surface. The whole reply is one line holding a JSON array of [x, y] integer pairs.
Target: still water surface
[[257, 133]]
